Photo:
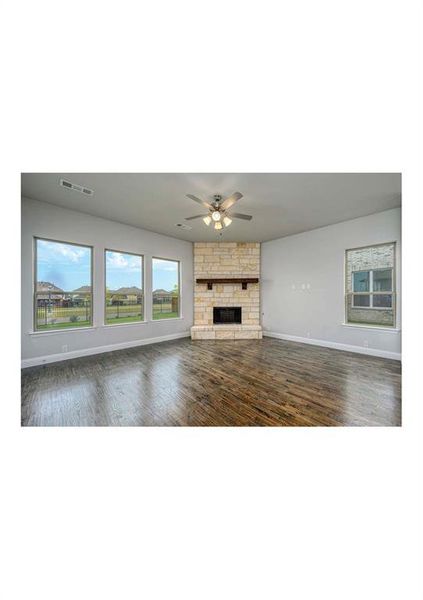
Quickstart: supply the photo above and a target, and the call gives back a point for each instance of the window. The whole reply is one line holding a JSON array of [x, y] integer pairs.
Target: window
[[372, 282], [361, 300], [166, 289], [382, 280], [124, 295], [62, 285], [370, 277], [361, 281]]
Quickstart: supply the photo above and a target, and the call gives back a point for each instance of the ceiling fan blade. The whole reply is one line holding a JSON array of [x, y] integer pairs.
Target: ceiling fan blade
[[206, 204], [241, 216], [194, 217], [231, 200]]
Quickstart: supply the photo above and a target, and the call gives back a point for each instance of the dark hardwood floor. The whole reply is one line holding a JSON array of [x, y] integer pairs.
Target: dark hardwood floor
[[238, 383]]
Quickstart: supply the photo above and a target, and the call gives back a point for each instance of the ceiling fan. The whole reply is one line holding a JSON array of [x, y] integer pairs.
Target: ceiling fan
[[218, 210]]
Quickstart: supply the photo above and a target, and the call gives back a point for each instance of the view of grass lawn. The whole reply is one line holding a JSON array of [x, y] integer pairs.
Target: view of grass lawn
[[59, 317], [131, 313], [136, 318], [123, 319], [167, 315], [64, 311], [164, 311], [65, 325], [63, 317]]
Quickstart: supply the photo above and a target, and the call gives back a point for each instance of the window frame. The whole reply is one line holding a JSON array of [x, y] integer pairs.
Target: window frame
[[371, 293], [395, 304], [105, 287], [177, 260], [37, 238]]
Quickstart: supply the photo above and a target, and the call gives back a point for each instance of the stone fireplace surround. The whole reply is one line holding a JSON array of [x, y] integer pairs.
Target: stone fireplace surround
[[226, 260]]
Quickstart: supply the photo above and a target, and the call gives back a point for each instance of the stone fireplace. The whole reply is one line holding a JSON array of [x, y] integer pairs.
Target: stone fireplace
[[229, 309]]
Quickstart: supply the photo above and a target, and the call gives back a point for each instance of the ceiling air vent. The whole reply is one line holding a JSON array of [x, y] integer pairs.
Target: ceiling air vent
[[183, 226], [77, 188]]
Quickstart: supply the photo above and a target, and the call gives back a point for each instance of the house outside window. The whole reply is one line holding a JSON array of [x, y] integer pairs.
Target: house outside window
[[62, 285], [166, 288], [124, 294], [370, 285]]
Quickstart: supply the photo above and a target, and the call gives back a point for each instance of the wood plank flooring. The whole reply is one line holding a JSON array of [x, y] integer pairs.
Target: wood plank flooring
[[215, 383]]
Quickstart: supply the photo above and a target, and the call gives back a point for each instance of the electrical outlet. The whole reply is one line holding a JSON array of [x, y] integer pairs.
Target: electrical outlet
[[64, 348]]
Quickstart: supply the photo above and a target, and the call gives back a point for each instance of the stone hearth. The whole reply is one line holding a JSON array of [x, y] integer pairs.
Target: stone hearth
[[228, 260], [226, 332]]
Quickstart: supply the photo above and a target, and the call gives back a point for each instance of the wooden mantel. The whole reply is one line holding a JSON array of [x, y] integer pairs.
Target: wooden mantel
[[242, 280]]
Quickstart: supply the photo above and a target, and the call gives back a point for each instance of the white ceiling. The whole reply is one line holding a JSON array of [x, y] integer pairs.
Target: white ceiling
[[281, 203]]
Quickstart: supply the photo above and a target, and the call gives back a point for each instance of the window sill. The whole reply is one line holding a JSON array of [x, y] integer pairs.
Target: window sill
[[373, 327], [58, 331]]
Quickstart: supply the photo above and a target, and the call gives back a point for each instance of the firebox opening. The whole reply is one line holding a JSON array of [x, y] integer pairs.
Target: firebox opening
[[226, 314]]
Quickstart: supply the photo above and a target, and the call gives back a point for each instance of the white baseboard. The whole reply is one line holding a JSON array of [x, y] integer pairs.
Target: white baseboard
[[42, 360], [335, 345]]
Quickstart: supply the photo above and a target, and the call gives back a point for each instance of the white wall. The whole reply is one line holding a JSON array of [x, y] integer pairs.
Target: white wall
[[317, 258], [49, 221]]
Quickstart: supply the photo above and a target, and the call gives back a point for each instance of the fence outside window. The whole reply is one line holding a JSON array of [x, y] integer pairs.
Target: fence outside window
[[64, 310]]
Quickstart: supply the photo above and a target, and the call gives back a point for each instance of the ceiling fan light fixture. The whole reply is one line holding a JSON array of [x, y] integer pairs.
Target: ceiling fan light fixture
[[217, 215]]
